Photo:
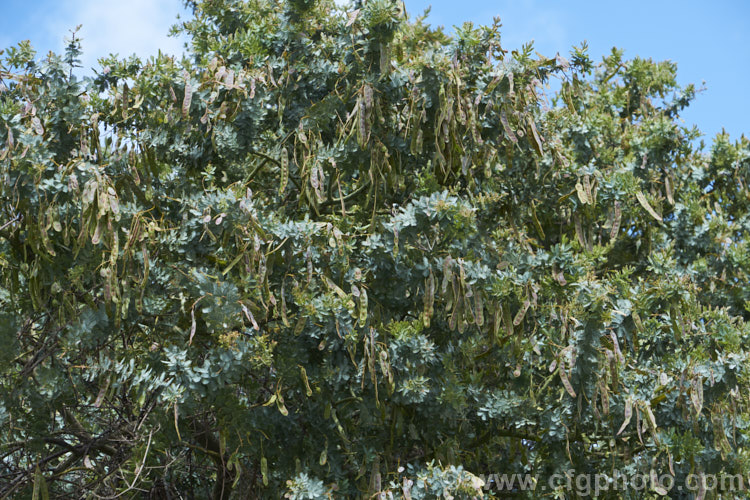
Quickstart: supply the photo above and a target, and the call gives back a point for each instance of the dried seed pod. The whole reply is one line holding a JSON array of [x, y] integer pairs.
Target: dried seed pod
[[188, 97], [616, 222], [645, 204], [628, 415], [429, 299], [506, 126]]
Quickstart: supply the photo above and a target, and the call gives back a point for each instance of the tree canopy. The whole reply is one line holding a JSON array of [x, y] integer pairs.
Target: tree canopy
[[334, 252]]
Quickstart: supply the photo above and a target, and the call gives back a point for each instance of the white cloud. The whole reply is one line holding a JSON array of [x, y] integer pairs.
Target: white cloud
[[122, 27]]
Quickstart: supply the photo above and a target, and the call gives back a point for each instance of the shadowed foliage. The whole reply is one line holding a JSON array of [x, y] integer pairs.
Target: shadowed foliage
[[335, 253]]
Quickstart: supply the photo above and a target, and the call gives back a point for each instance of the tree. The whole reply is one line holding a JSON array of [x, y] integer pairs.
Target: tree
[[334, 253]]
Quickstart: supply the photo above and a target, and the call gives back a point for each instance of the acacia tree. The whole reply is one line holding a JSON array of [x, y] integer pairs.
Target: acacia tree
[[335, 252]]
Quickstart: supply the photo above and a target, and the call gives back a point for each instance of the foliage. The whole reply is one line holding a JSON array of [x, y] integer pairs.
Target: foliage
[[335, 252]]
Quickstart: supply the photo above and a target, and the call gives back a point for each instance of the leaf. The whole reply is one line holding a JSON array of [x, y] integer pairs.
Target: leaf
[[644, 203]]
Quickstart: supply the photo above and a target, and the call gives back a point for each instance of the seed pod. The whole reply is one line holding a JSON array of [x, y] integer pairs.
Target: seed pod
[[579, 231], [566, 381], [264, 470], [506, 126], [468, 308], [582, 195], [496, 320], [250, 317], [507, 320], [300, 325], [613, 369], [36, 124], [284, 170], [10, 140], [103, 199], [587, 187], [96, 237], [125, 101], [616, 222], [362, 307], [521, 313], [284, 318], [651, 419], [479, 306], [314, 179], [321, 182], [367, 92], [536, 141], [303, 374], [696, 394], [280, 404], [645, 204], [363, 132], [605, 398], [537, 224], [668, 188], [447, 273], [429, 299], [628, 415], [188, 97]]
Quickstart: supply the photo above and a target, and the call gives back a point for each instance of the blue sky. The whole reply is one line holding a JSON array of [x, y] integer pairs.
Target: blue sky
[[709, 41]]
